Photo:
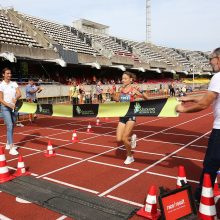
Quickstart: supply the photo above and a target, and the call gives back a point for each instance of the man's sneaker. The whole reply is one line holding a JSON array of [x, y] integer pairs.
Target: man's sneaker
[[129, 160], [13, 152], [15, 147], [7, 147], [20, 125], [133, 141]]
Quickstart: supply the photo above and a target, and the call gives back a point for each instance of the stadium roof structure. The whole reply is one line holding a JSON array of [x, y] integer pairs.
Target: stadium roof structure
[[87, 42], [92, 24]]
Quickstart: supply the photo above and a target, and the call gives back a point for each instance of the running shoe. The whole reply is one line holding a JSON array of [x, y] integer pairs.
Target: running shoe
[[13, 151], [129, 160]]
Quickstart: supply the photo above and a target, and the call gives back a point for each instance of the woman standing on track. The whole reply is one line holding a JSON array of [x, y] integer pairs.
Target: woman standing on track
[[9, 94], [127, 93]]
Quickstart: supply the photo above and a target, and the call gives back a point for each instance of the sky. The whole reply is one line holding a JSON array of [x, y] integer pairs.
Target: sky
[[186, 24]]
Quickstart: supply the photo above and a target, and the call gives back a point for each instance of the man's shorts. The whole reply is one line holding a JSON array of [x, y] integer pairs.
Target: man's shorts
[[124, 120], [99, 97]]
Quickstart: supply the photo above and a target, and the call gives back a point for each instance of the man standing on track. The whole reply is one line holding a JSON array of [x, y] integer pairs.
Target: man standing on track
[[31, 91], [211, 162]]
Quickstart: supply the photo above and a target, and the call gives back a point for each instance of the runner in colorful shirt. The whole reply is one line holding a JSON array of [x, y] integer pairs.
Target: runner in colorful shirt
[[125, 127]]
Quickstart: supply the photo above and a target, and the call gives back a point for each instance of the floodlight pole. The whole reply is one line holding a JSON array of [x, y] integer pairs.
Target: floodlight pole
[[148, 21]]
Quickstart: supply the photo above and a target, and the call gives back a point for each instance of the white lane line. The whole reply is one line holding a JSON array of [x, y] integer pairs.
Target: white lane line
[[98, 145], [125, 201], [144, 152], [171, 177], [71, 185], [188, 158], [137, 130], [28, 148], [147, 122], [193, 145], [19, 200], [86, 159], [105, 152], [38, 152], [36, 129], [12, 168], [95, 136], [67, 156], [162, 142], [148, 167], [158, 119], [112, 165], [3, 217], [104, 146], [62, 217], [73, 164], [38, 137], [179, 134]]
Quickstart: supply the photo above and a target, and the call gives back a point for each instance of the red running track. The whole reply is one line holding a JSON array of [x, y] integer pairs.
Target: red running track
[[95, 164]]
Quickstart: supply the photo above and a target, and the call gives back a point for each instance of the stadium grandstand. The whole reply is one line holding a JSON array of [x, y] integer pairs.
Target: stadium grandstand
[[56, 53]]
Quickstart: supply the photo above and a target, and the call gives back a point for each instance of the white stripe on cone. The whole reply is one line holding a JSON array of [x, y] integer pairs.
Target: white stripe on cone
[[3, 170], [151, 199], [49, 147], [20, 164], [179, 180], [207, 209], [207, 192], [148, 208], [2, 157], [23, 170]]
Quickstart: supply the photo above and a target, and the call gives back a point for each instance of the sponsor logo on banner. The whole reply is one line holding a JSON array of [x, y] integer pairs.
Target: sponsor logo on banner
[[86, 110], [143, 108], [45, 109], [78, 110]]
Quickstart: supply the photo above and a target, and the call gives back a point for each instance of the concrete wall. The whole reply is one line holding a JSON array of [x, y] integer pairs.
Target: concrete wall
[[34, 53]]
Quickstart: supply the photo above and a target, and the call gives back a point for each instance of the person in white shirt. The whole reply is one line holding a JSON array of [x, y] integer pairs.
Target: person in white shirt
[[211, 162], [9, 94]]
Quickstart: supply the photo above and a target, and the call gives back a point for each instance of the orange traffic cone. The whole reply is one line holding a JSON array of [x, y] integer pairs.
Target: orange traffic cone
[[50, 151], [21, 170], [150, 209], [74, 137], [89, 128], [207, 209], [181, 176], [97, 122], [5, 176]]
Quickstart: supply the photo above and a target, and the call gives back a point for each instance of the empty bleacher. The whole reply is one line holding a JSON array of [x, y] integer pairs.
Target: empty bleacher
[[83, 41], [148, 52], [174, 54], [11, 34], [198, 58], [61, 35]]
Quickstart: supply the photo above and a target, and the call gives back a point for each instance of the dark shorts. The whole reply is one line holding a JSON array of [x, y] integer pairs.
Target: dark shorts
[[124, 120], [100, 97]]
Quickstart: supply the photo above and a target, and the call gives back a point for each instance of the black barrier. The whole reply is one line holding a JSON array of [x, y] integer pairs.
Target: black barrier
[[178, 204]]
